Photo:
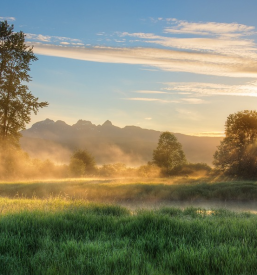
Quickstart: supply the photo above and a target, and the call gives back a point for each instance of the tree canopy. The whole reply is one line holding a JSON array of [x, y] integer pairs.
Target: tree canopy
[[16, 101], [82, 163], [237, 153], [169, 154]]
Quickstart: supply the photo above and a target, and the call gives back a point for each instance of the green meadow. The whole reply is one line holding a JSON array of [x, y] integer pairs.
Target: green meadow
[[48, 227]]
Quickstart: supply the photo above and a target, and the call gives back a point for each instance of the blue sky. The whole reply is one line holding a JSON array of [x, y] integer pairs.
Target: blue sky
[[180, 66]]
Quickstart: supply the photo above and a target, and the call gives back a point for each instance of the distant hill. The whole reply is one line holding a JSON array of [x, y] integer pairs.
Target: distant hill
[[107, 143]]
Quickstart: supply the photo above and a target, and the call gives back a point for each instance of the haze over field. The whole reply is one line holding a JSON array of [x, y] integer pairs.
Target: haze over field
[[131, 145]]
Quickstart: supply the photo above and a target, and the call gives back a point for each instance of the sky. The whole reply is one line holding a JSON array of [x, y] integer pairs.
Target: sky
[[179, 66]]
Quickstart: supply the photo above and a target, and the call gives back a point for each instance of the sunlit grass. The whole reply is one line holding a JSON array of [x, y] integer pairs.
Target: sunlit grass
[[63, 236], [134, 190]]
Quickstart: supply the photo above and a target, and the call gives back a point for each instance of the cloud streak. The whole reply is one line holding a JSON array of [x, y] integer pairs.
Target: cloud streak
[[222, 49], [208, 28], [52, 39], [218, 45], [7, 18], [150, 92], [210, 89], [167, 60], [181, 100], [152, 99]]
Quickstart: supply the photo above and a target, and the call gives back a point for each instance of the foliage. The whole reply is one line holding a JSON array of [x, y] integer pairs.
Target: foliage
[[150, 170], [237, 153], [169, 155], [72, 237], [116, 170], [16, 102], [82, 163]]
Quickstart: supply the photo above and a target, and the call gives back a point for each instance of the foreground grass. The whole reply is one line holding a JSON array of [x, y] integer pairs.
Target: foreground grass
[[57, 236]]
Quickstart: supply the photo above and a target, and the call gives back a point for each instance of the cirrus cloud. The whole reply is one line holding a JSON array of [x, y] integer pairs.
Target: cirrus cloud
[[208, 28], [209, 89], [164, 59], [2, 18], [223, 52]]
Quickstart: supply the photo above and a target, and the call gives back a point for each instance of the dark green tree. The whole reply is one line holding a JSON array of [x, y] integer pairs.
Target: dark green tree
[[16, 101], [169, 155], [82, 163], [237, 153]]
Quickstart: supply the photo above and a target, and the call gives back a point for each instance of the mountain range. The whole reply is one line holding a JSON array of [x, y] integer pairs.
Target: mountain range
[[108, 143]]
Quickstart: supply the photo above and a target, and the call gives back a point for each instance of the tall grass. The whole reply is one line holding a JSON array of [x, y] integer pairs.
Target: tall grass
[[57, 236], [114, 191]]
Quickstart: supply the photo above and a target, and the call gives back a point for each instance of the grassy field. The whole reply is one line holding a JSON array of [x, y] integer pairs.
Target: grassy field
[[57, 236], [59, 227], [134, 190]]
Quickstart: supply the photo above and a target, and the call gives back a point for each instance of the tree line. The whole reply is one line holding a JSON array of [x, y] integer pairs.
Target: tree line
[[236, 156]]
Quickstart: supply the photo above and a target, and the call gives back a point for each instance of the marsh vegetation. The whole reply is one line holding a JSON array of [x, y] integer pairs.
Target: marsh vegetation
[[60, 236], [122, 190]]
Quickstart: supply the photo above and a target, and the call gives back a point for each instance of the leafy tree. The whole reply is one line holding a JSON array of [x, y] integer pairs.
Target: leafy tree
[[82, 163], [16, 101], [169, 155], [237, 153]]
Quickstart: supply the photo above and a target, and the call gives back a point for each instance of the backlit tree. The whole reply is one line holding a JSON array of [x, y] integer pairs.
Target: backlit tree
[[237, 153], [16, 101], [169, 155]]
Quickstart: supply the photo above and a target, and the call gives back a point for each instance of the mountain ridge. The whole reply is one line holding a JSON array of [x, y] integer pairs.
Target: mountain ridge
[[108, 143]]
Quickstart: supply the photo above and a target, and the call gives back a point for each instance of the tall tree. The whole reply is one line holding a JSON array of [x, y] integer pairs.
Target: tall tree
[[82, 163], [169, 155], [237, 153], [16, 101]]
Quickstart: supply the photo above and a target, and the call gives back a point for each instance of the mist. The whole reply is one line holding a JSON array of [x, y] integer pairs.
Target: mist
[[108, 143]]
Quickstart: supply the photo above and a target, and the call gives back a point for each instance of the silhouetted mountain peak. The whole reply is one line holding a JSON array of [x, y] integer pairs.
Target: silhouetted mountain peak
[[44, 123], [61, 122], [82, 122], [107, 123], [83, 125]]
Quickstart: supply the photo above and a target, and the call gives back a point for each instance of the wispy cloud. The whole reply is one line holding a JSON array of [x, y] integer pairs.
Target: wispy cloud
[[38, 37], [2, 18], [152, 99], [52, 39], [224, 51], [208, 28], [148, 118], [192, 100], [168, 60], [182, 100], [150, 92], [225, 45], [208, 89], [230, 39]]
